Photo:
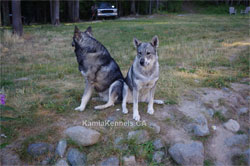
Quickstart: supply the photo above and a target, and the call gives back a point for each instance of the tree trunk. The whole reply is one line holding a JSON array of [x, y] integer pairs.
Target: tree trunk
[[76, 11], [120, 9], [150, 7], [138, 7], [16, 18], [6, 12], [57, 12], [54, 12], [52, 18], [157, 6], [70, 10], [0, 14], [232, 2], [73, 10], [132, 10]]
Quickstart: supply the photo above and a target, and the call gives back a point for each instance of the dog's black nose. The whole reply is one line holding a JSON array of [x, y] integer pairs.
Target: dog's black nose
[[73, 44], [142, 62]]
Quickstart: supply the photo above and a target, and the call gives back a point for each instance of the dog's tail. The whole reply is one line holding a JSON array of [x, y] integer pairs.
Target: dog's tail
[[115, 94], [117, 89]]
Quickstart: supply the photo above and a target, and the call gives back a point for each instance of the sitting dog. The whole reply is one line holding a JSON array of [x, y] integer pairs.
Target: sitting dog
[[141, 79], [99, 69]]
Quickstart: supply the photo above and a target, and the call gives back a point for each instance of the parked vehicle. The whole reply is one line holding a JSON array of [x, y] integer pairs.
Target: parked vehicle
[[106, 9]]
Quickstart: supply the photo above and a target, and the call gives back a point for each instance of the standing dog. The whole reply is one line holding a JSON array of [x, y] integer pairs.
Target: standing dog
[[142, 77], [99, 69]]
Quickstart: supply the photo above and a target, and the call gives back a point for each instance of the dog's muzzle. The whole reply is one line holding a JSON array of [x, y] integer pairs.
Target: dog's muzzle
[[142, 62]]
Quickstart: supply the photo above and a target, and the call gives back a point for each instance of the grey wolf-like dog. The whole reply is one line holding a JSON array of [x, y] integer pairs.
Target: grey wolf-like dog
[[141, 79], [99, 69]]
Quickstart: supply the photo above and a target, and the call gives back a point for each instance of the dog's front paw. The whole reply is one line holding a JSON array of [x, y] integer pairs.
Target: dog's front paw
[[99, 107], [136, 117], [125, 110], [150, 111], [80, 108], [158, 101]]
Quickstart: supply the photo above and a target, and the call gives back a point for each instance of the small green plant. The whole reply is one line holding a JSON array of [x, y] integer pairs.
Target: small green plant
[[170, 102], [239, 160], [218, 82], [240, 132], [144, 150], [72, 143], [202, 139], [219, 116], [208, 162]]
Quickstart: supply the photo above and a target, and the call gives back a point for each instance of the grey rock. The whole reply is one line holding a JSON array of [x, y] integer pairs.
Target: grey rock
[[39, 148], [188, 154], [158, 156], [226, 89], [240, 139], [61, 147], [129, 161], [82, 135], [46, 161], [242, 110], [112, 161], [155, 127], [189, 127], [140, 136], [201, 130], [76, 158], [201, 120], [247, 156], [112, 118], [199, 127], [232, 125], [9, 158], [158, 144], [119, 145], [210, 112], [61, 162]]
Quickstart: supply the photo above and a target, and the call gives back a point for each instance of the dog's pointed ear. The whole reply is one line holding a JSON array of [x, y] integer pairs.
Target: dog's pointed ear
[[77, 30], [136, 42], [89, 31], [155, 41]]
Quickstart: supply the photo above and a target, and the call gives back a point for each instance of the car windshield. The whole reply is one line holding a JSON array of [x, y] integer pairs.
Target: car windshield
[[105, 5]]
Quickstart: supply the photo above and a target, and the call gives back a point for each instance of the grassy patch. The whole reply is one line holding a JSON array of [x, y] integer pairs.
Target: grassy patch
[[195, 50], [208, 162], [143, 151], [202, 139], [218, 82], [239, 160], [219, 116], [47, 136]]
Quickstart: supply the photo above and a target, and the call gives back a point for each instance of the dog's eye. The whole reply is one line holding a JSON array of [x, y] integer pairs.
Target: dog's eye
[[148, 53], [139, 52]]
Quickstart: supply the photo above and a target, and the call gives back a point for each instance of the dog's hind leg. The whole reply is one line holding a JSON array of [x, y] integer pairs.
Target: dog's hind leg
[[86, 96], [114, 93]]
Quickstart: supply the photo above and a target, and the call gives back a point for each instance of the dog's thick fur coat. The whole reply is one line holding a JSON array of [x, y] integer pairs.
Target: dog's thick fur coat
[[142, 77], [99, 69]]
